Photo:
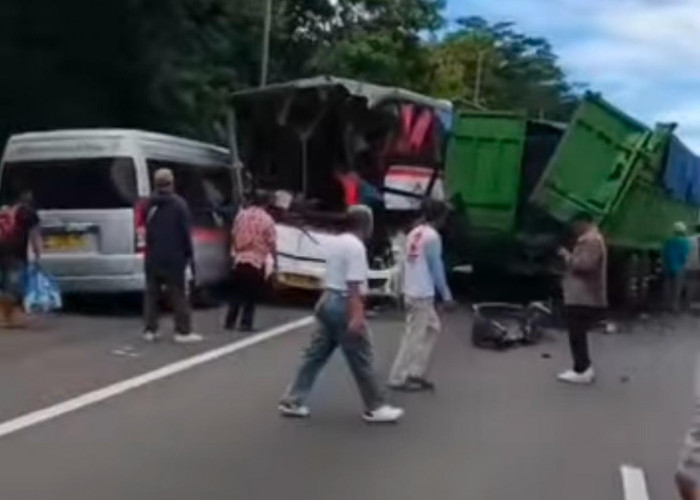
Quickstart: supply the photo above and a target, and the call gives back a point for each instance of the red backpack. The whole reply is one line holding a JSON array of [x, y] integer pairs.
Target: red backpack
[[8, 225]]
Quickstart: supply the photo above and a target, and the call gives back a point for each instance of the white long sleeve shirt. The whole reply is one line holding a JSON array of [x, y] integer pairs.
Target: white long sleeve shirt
[[424, 270]]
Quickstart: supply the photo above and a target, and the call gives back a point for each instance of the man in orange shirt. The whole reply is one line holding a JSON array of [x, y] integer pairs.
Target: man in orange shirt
[[254, 238]]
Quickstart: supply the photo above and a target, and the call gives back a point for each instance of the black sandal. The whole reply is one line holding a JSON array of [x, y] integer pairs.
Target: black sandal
[[421, 383]]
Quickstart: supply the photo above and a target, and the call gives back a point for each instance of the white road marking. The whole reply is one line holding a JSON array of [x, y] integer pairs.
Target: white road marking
[[633, 482], [99, 395]]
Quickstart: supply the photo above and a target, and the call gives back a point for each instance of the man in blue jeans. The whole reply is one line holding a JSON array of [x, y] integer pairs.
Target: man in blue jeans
[[340, 315]]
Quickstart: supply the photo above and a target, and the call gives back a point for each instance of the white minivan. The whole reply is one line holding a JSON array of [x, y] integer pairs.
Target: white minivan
[[90, 188]]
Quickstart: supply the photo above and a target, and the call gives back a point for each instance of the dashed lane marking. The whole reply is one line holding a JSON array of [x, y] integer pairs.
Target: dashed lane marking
[[634, 483]]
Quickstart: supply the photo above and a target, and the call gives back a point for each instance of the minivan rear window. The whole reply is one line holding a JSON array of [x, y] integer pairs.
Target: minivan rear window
[[74, 184]]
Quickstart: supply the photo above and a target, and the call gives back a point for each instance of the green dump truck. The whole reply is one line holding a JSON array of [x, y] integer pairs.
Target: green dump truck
[[519, 182]]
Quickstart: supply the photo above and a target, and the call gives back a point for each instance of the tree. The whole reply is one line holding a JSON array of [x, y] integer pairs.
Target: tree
[[380, 41], [170, 65], [68, 64], [512, 70]]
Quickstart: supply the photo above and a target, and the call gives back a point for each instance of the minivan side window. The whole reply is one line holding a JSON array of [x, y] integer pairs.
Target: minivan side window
[[201, 187], [72, 184], [204, 188]]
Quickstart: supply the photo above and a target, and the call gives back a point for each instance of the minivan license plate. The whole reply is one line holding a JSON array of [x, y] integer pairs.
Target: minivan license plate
[[65, 243], [299, 281]]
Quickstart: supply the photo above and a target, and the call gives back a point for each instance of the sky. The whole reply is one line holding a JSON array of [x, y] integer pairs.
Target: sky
[[642, 55]]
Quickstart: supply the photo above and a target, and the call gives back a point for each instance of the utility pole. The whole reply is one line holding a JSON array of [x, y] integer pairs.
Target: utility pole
[[266, 44], [479, 77]]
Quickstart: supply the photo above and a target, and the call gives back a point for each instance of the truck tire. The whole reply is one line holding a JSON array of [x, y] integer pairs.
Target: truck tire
[[632, 276], [623, 279], [646, 279]]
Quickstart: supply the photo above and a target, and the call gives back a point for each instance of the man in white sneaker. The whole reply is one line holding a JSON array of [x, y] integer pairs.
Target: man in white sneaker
[[424, 273], [585, 294], [341, 322], [168, 254]]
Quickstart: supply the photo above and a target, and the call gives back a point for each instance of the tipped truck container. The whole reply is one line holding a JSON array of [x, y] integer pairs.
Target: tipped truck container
[[521, 186]]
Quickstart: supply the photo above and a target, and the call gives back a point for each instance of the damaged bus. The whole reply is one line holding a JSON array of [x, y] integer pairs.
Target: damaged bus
[[323, 143]]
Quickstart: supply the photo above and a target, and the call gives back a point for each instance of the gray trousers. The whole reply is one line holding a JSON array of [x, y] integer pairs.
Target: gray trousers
[[174, 285], [418, 343], [692, 286], [331, 333]]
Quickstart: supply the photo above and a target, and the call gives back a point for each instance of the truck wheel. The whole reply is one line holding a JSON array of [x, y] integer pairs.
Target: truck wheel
[[632, 281], [638, 275], [645, 279], [623, 280]]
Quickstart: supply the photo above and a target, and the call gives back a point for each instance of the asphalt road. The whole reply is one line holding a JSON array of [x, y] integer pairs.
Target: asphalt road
[[499, 426], [98, 344]]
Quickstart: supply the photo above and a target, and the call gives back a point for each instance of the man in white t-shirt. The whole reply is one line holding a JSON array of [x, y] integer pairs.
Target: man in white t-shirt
[[341, 320], [424, 273]]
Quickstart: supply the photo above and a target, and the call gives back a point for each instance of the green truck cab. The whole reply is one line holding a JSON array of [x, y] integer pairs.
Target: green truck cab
[[521, 181]]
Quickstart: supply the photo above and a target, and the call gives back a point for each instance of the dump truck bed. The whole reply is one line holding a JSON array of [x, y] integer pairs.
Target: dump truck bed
[[494, 162], [610, 165]]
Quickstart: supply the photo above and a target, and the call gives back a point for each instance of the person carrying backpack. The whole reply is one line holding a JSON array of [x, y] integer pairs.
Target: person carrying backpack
[[19, 230]]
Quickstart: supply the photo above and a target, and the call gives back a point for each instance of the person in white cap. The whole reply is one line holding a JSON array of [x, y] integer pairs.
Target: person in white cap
[[675, 262]]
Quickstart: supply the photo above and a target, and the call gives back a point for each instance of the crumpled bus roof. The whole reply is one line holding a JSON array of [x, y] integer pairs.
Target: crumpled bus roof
[[375, 94]]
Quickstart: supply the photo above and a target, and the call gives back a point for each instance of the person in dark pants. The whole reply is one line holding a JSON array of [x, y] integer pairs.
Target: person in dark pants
[[341, 322], [168, 254], [254, 238], [21, 230], [585, 294]]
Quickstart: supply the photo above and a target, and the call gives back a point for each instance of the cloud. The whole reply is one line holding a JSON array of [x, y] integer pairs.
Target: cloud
[[643, 55], [688, 118], [645, 36]]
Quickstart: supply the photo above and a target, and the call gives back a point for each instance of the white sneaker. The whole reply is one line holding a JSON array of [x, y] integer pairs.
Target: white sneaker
[[149, 336], [190, 338], [571, 377], [294, 410], [383, 415]]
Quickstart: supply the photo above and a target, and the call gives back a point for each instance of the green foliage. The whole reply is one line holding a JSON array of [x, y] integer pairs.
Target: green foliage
[[496, 67], [170, 65]]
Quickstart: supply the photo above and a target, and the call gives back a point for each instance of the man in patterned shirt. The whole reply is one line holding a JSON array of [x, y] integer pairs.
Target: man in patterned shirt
[[424, 274], [254, 238]]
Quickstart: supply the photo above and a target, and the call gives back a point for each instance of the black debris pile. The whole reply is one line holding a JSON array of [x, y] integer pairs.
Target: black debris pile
[[501, 326]]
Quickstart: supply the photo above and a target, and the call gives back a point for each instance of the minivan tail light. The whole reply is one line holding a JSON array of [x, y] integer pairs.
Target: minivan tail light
[[140, 220]]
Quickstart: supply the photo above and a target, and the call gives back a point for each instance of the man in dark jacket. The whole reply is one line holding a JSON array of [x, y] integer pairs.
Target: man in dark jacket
[[168, 253]]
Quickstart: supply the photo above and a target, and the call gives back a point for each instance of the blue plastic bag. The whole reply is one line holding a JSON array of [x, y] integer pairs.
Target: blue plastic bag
[[41, 293]]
